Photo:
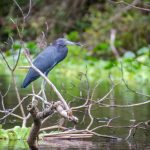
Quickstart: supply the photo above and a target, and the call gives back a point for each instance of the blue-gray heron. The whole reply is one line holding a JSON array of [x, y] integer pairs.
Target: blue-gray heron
[[47, 59]]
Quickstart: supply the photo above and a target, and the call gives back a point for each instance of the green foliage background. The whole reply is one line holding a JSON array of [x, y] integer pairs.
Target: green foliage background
[[89, 22]]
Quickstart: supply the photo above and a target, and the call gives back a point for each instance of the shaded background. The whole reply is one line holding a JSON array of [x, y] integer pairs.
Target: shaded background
[[81, 20]]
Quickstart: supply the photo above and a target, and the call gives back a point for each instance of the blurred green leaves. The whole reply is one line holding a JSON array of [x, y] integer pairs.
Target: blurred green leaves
[[16, 133], [103, 46], [73, 36], [144, 50], [129, 55]]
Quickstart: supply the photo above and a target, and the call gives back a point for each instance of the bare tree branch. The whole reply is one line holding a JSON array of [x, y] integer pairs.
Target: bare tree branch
[[125, 106], [49, 82], [130, 5]]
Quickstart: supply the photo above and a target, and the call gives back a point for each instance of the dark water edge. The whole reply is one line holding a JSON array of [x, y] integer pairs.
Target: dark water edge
[[100, 144]]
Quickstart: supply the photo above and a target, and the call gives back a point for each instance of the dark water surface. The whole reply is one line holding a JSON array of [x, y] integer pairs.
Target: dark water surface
[[121, 95], [91, 144]]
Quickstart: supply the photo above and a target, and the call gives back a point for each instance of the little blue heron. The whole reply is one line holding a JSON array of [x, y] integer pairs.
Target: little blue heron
[[47, 59]]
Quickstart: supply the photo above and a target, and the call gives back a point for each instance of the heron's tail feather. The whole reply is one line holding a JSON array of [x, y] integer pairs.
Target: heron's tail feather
[[30, 77], [25, 83]]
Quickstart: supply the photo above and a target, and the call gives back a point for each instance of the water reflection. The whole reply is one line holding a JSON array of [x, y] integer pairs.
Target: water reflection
[[99, 144], [94, 145]]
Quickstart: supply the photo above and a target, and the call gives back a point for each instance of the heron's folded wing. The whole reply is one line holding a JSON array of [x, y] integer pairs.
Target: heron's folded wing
[[45, 61]]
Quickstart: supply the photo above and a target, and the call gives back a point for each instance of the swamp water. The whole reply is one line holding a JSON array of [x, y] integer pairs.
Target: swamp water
[[120, 95]]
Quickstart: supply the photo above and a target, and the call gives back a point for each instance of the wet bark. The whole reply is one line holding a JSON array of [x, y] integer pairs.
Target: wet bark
[[37, 117]]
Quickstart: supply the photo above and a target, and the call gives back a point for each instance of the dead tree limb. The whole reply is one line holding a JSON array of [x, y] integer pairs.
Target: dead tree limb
[[112, 43], [38, 116]]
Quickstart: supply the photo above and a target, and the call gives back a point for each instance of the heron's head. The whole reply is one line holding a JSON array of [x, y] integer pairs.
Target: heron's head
[[65, 42]]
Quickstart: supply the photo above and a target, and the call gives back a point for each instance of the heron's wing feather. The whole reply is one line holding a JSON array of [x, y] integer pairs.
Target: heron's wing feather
[[45, 61]]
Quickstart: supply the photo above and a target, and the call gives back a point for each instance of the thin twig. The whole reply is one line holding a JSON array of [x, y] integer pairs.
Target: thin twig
[[18, 105], [127, 86], [18, 95], [91, 118], [107, 94], [12, 114], [125, 106], [9, 67], [131, 5], [19, 8], [105, 136], [30, 6], [133, 127]]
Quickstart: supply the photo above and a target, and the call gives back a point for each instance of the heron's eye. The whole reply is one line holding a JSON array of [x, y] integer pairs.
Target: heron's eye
[[61, 43]]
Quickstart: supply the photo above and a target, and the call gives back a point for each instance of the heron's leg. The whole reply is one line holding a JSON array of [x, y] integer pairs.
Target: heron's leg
[[33, 91], [43, 91]]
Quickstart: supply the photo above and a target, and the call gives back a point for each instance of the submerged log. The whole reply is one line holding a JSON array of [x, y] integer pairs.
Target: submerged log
[[67, 136]]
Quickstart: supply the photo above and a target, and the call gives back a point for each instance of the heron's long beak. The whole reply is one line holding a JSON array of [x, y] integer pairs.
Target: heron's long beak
[[72, 43]]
